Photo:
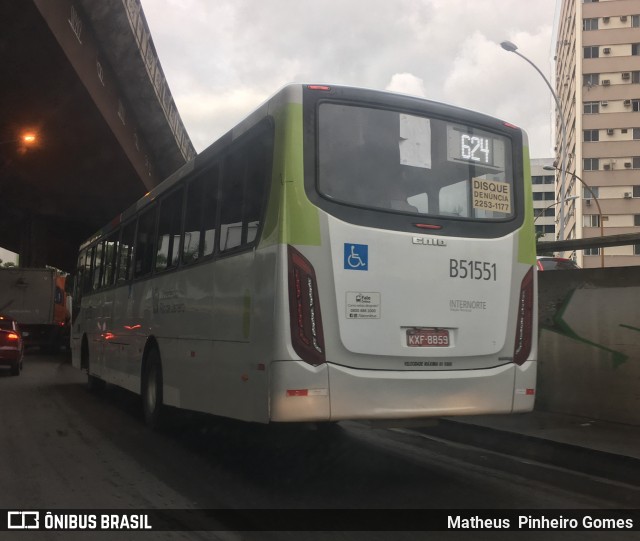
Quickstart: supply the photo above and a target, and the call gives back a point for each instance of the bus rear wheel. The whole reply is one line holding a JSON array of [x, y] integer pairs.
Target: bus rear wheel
[[152, 404]]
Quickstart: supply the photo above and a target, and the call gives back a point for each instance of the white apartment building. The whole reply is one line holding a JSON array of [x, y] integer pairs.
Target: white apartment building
[[597, 79], [545, 206]]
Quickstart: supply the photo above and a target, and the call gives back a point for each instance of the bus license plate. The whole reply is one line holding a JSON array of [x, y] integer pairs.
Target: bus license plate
[[427, 338]]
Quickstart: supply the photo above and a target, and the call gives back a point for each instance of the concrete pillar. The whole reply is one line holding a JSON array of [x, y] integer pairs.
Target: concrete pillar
[[34, 248]]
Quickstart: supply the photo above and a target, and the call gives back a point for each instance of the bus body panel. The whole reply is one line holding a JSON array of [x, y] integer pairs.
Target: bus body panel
[[409, 284]]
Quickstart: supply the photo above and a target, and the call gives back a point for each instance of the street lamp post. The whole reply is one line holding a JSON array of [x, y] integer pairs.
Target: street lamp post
[[541, 213], [512, 48], [552, 168]]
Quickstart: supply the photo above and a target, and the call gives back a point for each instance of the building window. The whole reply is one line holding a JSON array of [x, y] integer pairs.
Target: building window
[[591, 164], [590, 194], [635, 21], [589, 24], [591, 52], [546, 179], [636, 249], [636, 191], [636, 219], [591, 136], [592, 251], [548, 212], [591, 79], [593, 107], [545, 229], [591, 220], [635, 77], [636, 162]]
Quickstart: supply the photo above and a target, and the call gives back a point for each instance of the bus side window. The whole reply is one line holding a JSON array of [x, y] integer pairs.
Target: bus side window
[[193, 221], [232, 201], [79, 280], [244, 186], [88, 264], [257, 175], [210, 216], [97, 268], [125, 252], [169, 225], [110, 253], [145, 242]]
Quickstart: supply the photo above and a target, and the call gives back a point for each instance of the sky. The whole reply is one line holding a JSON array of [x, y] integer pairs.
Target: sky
[[223, 58]]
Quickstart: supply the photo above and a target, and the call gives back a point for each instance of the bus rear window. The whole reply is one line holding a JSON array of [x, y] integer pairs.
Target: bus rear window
[[397, 162]]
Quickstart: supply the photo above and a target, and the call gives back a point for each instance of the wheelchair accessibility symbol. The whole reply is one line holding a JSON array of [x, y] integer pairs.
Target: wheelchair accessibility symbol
[[356, 257]]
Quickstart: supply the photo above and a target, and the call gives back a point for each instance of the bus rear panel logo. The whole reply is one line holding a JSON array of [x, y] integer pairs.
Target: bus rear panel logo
[[428, 241]]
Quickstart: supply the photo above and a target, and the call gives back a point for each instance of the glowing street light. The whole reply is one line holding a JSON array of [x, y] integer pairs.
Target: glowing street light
[[29, 138]]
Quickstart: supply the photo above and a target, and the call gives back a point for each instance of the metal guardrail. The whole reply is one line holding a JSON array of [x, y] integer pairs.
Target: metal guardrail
[[591, 242]]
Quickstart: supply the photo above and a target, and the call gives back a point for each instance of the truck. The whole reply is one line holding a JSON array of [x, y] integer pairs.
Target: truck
[[37, 300]]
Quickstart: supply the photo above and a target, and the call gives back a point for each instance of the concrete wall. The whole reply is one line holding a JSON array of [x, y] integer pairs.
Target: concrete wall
[[589, 355]]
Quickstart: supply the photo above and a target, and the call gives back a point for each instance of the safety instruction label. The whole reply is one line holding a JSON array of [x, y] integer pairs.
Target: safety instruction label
[[363, 305]]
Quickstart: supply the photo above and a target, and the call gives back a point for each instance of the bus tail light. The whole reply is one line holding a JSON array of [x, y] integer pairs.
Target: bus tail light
[[304, 310], [524, 327]]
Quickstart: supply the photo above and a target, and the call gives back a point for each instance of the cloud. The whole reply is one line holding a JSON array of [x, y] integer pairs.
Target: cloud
[[406, 83], [223, 58], [509, 89], [217, 110]]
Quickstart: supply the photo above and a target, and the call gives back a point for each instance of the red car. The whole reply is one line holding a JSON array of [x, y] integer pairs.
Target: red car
[[546, 263], [11, 346]]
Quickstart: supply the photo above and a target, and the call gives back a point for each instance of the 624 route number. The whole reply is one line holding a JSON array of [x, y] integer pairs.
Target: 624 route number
[[472, 270]]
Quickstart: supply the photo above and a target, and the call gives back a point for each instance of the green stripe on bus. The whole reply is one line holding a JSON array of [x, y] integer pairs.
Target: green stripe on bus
[[291, 218], [527, 236]]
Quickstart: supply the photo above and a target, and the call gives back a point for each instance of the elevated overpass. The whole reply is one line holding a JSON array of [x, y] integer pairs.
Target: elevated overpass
[[85, 77]]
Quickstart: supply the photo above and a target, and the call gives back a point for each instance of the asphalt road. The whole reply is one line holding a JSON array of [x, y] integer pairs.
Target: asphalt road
[[64, 447]]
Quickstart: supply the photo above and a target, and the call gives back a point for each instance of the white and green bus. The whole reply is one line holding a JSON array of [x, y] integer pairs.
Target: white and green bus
[[340, 254]]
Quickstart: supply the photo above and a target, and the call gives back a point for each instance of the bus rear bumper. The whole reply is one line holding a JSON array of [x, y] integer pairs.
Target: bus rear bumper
[[300, 392], [370, 394]]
